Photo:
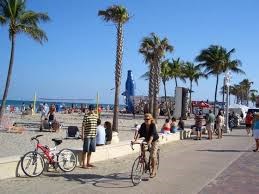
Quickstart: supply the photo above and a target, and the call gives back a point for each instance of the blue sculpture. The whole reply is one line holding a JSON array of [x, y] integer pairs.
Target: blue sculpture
[[129, 92]]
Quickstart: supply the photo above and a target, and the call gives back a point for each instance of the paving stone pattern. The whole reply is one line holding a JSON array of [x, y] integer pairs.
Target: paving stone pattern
[[241, 177]]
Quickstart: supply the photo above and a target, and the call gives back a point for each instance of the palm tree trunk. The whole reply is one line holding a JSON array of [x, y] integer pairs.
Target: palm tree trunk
[[151, 88], [190, 100], [156, 89], [167, 108], [7, 84], [216, 91], [175, 79], [119, 53]]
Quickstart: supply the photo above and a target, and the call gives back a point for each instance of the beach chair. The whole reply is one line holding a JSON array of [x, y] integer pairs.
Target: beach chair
[[72, 132]]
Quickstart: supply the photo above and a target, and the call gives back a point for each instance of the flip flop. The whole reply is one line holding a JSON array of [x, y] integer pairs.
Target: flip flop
[[84, 167], [90, 166]]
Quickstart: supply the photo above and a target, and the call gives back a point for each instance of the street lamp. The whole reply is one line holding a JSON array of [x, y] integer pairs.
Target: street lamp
[[227, 79]]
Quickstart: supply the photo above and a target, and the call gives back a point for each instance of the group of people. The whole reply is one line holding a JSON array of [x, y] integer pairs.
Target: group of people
[[48, 118], [210, 123], [93, 134], [170, 126]]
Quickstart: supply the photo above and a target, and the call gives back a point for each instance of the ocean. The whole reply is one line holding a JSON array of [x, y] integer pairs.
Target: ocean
[[18, 103]]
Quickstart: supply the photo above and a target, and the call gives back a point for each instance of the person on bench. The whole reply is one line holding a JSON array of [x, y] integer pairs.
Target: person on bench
[[108, 132], [100, 134], [166, 127], [181, 124]]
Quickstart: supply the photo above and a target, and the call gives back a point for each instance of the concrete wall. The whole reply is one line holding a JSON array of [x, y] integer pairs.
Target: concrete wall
[[10, 166]]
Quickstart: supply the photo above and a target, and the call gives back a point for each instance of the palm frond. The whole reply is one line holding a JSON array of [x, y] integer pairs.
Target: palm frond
[[116, 13], [145, 76], [34, 32], [32, 18], [2, 19]]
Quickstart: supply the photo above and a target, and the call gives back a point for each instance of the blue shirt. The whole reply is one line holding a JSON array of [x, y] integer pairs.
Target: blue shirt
[[100, 135], [256, 125]]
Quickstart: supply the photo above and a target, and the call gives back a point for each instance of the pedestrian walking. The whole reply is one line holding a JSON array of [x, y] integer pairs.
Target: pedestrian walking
[[256, 131], [249, 122], [198, 124], [219, 124], [210, 120]]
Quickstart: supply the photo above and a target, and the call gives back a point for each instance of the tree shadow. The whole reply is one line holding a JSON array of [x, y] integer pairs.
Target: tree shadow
[[115, 180], [232, 135], [209, 150]]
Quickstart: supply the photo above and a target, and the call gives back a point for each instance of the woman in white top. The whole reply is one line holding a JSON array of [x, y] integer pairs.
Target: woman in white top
[[220, 124]]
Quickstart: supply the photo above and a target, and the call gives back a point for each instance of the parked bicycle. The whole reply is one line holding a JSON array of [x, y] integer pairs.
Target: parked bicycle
[[34, 162], [141, 164]]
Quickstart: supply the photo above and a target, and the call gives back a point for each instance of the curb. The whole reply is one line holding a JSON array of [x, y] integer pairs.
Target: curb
[[10, 166]]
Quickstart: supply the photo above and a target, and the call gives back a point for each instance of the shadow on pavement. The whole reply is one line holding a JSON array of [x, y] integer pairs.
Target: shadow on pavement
[[115, 180], [230, 135], [223, 150]]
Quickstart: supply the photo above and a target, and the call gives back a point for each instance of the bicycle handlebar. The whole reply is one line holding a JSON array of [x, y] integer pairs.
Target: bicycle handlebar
[[36, 138], [141, 143]]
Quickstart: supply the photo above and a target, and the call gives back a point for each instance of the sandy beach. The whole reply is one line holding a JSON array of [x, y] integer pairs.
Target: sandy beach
[[19, 144]]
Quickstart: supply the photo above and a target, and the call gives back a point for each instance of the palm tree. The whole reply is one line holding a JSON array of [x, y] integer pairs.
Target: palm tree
[[20, 20], [253, 97], [145, 47], [193, 73], [246, 85], [153, 49], [235, 90], [165, 76], [176, 70], [119, 16], [216, 60], [232, 66]]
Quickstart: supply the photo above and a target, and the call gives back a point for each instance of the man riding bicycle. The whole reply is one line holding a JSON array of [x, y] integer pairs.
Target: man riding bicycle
[[149, 132]]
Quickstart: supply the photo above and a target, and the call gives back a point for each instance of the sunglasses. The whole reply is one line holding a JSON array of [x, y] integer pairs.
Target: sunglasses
[[146, 119]]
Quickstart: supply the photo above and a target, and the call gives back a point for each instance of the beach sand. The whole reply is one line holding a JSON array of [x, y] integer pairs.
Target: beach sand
[[19, 144]]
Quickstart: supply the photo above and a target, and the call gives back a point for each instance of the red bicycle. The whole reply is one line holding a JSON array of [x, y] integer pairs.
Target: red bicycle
[[33, 163]]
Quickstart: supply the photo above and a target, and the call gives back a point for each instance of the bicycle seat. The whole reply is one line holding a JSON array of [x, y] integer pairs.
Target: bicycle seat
[[57, 141]]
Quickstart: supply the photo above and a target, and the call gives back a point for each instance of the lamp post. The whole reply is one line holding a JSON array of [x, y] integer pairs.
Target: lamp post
[[227, 79]]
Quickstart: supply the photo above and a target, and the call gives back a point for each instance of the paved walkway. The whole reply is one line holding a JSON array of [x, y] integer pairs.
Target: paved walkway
[[185, 167], [242, 177]]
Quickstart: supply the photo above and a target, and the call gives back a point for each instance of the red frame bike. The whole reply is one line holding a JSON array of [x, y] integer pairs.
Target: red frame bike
[[33, 163]]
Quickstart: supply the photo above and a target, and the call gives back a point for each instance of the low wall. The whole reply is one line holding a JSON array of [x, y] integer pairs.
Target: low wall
[[10, 166]]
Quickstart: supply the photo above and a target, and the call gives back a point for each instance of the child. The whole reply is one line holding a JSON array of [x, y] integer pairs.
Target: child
[[166, 127]]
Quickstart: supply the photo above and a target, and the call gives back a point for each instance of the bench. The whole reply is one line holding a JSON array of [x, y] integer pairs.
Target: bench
[[185, 134]]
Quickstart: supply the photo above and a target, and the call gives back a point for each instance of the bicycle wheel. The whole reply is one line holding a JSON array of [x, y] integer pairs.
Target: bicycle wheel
[[66, 160], [137, 171], [32, 164]]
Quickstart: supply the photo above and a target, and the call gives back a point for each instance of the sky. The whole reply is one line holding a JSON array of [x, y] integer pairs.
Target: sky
[[79, 58]]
